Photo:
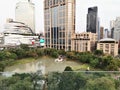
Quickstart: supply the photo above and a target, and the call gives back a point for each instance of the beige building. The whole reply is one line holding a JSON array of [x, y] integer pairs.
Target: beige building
[[83, 42], [59, 17], [108, 45]]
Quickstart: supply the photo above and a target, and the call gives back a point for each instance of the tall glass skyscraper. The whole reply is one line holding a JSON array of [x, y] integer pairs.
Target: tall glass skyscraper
[[59, 17], [25, 12], [92, 20]]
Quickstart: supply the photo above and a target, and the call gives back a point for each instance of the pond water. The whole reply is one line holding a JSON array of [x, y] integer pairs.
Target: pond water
[[45, 64]]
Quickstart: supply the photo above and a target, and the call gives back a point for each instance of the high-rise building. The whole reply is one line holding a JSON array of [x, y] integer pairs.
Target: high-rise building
[[116, 34], [25, 13], [98, 28], [101, 32], [59, 17], [106, 33], [92, 20], [112, 26]]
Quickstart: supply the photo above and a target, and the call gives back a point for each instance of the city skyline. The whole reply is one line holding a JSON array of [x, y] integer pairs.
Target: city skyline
[[107, 10]]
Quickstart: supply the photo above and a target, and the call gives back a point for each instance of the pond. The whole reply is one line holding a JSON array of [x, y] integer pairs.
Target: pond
[[45, 64]]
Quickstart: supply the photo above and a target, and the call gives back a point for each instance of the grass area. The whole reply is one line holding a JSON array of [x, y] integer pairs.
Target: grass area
[[82, 67]]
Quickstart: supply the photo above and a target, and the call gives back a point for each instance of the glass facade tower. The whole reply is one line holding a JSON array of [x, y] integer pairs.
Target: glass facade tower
[[92, 20], [59, 17]]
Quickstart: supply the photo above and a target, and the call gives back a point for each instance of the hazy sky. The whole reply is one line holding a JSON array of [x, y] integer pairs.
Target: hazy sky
[[107, 10]]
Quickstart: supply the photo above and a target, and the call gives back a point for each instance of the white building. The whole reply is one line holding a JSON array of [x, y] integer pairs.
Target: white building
[[25, 12], [12, 39], [14, 27]]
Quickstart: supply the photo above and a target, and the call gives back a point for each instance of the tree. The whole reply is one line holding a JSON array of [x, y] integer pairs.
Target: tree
[[102, 83], [98, 52], [68, 68], [21, 85], [24, 46], [67, 81]]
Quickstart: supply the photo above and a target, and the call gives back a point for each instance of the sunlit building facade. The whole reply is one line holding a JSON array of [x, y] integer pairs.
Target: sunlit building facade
[[59, 17], [84, 42], [108, 46]]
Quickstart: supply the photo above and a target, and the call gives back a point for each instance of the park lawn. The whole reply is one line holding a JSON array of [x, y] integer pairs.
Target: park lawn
[[82, 67]]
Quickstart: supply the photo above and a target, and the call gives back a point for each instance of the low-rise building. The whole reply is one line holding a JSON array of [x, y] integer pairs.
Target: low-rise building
[[108, 45], [83, 42]]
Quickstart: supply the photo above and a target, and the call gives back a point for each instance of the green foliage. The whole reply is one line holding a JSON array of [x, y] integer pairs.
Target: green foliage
[[67, 81], [40, 52], [21, 53], [102, 83], [68, 68], [24, 46], [31, 53], [98, 52], [22, 82], [94, 62]]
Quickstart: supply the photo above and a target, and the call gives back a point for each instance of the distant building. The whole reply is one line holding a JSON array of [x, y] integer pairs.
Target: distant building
[[98, 28], [106, 33], [83, 42], [59, 17], [116, 34], [101, 32], [25, 13], [92, 20], [112, 26], [108, 45]]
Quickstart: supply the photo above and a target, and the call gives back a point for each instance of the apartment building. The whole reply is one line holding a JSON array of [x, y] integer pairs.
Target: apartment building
[[83, 42], [108, 45]]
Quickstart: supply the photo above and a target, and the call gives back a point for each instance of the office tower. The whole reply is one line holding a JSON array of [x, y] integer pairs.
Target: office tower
[[98, 28], [106, 33], [92, 20], [112, 26], [116, 34], [25, 13], [59, 17], [101, 32]]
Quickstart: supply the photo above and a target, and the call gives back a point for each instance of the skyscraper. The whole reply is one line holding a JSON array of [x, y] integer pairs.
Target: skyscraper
[[59, 17], [101, 32], [112, 26], [116, 34], [25, 13], [92, 20]]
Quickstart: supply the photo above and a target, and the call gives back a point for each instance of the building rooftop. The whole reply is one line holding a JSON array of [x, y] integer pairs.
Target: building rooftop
[[107, 40]]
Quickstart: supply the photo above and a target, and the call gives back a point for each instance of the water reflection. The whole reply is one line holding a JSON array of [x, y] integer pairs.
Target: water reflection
[[45, 64]]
